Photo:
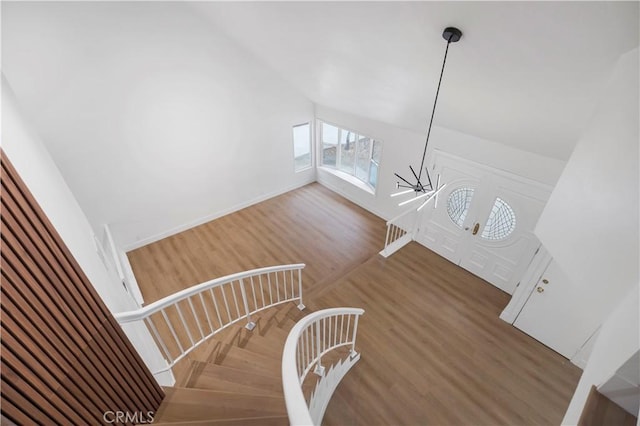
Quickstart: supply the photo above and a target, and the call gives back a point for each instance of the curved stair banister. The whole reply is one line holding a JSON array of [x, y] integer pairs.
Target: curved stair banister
[[309, 340], [193, 315]]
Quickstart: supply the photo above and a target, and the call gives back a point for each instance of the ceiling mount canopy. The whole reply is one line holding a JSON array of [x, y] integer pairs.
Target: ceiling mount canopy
[[423, 187]]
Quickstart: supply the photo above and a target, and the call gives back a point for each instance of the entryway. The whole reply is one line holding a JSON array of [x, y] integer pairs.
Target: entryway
[[484, 219]]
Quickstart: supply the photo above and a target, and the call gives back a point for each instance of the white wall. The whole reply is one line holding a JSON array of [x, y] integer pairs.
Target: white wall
[[618, 341], [590, 224], [402, 147], [31, 159], [157, 120]]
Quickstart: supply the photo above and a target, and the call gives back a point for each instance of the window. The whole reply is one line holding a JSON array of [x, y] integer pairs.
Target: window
[[351, 153], [302, 146], [501, 222], [329, 144], [458, 205]]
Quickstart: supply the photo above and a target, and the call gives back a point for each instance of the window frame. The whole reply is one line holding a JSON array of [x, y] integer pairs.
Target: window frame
[[337, 169], [311, 146]]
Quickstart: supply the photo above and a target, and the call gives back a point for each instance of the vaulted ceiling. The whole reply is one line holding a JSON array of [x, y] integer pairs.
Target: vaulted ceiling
[[525, 74]]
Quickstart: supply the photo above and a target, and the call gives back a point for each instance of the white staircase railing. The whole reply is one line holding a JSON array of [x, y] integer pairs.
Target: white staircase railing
[[310, 339], [192, 315], [400, 231]]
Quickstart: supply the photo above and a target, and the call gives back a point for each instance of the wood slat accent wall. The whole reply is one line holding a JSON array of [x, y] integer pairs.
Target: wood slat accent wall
[[65, 360]]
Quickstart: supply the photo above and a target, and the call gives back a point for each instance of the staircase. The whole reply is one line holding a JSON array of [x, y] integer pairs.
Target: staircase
[[235, 377]]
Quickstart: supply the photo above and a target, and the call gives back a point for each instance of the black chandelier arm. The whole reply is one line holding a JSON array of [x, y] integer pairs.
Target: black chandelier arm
[[435, 102], [419, 184], [404, 180], [428, 178], [398, 186]]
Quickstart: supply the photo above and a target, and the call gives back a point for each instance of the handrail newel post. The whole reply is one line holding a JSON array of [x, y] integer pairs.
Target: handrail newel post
[[300, 305], [319, 370], [353, 352], [250, 324], [386, 239]]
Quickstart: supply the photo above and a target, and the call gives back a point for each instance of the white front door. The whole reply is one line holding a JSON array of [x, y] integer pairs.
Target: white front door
[[548, 315], [483, 220]]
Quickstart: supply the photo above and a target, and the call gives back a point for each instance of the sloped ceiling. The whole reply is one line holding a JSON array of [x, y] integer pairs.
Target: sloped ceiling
[[526, 74]]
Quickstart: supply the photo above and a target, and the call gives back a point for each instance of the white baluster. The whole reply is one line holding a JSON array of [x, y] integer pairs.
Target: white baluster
[[355, 333], [235, 299], [319, 370], [284, 284], [253, 292], [300, 304], [226, 305], [195, 317], [152, 326], [261, 291], [269, 284], [206, 312], [173, 333], [184, 323], [386, 239], [293, 293], [250, 324], [215, 304]]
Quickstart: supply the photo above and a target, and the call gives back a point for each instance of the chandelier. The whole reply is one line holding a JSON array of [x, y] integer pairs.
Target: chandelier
[[423, 188]]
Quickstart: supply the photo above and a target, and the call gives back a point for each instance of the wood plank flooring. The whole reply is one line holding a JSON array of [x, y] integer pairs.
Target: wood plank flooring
[[311, 225], [434, 351]]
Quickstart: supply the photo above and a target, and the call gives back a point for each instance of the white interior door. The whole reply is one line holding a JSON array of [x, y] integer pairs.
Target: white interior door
[[484, 220], [549, 314]]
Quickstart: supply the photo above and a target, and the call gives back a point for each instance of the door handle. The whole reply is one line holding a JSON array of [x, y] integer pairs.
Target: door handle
[[475, 228]]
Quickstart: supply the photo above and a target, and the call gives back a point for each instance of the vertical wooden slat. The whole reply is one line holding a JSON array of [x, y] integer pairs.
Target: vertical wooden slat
[[70, 286], [36, 343], [38, 403], [32, 260], [15, 258], [26, 407], [65, 359], [14, 412], [89, 295]]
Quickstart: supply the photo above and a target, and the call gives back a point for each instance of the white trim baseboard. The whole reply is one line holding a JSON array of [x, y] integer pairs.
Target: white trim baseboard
[[176, 230], [338, 191]]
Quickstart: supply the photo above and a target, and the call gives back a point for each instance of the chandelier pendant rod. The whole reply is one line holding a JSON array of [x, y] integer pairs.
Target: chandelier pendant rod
[[433, 112]]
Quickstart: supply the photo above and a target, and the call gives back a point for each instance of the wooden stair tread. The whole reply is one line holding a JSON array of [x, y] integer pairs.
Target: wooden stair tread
[[267, 345], [235, 379], [188, 404], [249, 421], [244, 359], [218, 377], [271, 330], [289, 312]]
